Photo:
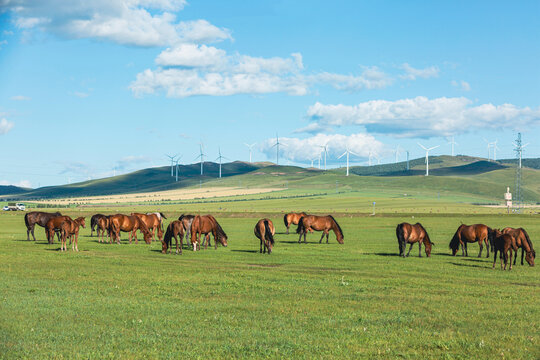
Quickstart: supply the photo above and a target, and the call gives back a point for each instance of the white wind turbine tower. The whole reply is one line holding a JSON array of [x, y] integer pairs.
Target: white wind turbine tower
[[250, 150], [370, 156], [220, 157], [172, 162], [427, 156], [320, 156], [495, 147], [489, 149], [396, 153], [325, 150], [347, 152], [277, 148], [201, 156], [177, 160], [453, 143]]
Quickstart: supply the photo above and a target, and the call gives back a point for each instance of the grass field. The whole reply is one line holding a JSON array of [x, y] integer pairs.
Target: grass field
[[357, 300]]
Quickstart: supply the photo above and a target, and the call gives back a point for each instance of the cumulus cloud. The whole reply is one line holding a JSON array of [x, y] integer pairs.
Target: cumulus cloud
[[305, 150], [20, 98], [131, 22], [423, 117], [371, 78], [5, 126], [412, 73], [463, 85]]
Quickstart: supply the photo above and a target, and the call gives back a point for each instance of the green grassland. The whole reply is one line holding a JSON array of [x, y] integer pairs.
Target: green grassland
[[356, 300]]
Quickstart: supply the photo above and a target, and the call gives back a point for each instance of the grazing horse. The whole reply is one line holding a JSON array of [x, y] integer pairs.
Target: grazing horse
[[53, 227], [504, 243], [319, 223], [131, 224], [264, 231], [152, 222], [94, 222], [102, 226], [407, 233], [37, 217], [292, 218], [70, 228], [186, 222], [207, 224], [522, 241], [175, 229], [160, 216], [470, 234]]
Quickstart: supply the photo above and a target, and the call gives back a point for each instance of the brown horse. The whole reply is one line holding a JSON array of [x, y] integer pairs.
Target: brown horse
[[407, 233], [94, 223], [102, 226], [470, 234], [52, 227], [37, 217], [319, 223], [175, 229], [70, 228], [186, 221], [264, 231], [131, 224], [504, 243], [152, 222], [207, 224], [522, 241], [292, 218]]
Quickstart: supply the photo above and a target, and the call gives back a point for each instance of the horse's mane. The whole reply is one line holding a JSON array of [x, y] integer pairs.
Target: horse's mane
[[425, 231], [528, 240], [219, 230], [454, 243], [268, 233], [300, 228], [339, 227]]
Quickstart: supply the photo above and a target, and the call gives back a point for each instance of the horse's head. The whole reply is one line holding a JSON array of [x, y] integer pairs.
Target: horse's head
[[81, 221], [529, 257], [223, 239], [164, 247], [147, 236], [427, 247]]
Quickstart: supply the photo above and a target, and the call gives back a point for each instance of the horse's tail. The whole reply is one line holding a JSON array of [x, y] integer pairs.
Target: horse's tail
[[301, 228], [339, 227], [267, 232], [26, 220], [162, 215], [167, 239], [181, 217], [425, 232], [285, 220], [454, 243], [491, 238]]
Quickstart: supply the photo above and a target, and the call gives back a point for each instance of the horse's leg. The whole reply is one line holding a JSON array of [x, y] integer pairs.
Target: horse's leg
[[288, 229], [328, 234], [410, 247], [481, 244], [466, 252], [510, 259], [34, 236], [419, 249], [27, 233], [305, 233], [300, 238], [322, 236], [487, 247], [522, 251], [494, 257]]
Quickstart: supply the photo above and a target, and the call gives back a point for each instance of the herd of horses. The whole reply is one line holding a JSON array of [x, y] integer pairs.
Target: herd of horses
[[199, 227], [506, 241]]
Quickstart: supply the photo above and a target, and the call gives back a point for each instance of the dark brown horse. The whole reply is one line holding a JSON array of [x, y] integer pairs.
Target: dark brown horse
[[292, 218], [37, 217], [204, 225], [470, 234], [407, 233], [186, 221], [504, 243], [70, 228], [522, 241], [175, 229], [52, 227], [131, 224], [152, 222], [94, 222], [264, 231], [102, 226], [319, 223]]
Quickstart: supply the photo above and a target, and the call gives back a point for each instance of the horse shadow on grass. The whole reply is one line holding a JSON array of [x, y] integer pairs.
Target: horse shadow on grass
[[469, 265], [246, 251], [383, 254]]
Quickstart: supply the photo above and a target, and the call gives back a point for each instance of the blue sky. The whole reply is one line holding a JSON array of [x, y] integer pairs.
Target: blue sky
[[88, 87]]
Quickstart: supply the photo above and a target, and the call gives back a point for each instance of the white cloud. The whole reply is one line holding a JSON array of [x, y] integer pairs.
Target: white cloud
[[129, 161], [412, 73], [22, 183], [304, 150], [131, 22], [423, 117], [192, 55], [5, 126], [463, 85], [371, 78], [20, 98]]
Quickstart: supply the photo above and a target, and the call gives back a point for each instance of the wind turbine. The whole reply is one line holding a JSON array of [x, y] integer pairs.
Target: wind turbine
[[219, 158], [172, 162], [495, 147], [489, 148], [250, 149], [370, 156], [277, 148], [427, 156], [347, 151], [320, 155], [396, 153], [201, 155], [453, 143], [325, 150], [177, 160]]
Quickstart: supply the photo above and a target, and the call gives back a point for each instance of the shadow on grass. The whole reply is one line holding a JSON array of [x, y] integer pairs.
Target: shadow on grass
[[294, 242], [384, 254], [470, 265], [246, 251]]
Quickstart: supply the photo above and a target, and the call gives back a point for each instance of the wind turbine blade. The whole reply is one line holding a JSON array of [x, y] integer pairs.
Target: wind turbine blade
[[431, 148], [353, 153], [342, 155], [422, 146]]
